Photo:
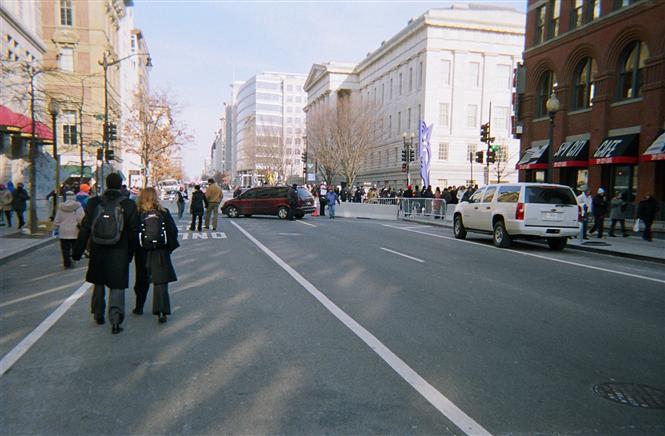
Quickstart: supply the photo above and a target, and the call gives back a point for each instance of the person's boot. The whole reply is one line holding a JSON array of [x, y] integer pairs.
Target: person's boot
[[161, 318], [115, 329]]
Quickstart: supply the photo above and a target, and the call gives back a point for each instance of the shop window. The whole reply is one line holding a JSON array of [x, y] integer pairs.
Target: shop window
[[545, 86], [631, 71], [583, 87]]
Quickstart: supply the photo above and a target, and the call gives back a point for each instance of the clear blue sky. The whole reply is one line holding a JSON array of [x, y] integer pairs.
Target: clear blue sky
[[199, 47]]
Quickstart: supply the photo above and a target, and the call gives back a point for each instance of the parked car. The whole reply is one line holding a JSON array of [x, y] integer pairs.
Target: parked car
[[520, 210], [268, 201]]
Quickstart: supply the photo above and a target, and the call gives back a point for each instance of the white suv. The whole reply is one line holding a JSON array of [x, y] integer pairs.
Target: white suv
[[520, 210]]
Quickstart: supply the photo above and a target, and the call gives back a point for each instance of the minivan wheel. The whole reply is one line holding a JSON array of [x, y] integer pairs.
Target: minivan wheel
[[458, 228], [282, 213], [232, 212], [500, 236], [557, 243]]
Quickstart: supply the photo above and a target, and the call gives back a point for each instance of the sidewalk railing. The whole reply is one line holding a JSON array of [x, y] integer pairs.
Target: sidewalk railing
[[431, 208]]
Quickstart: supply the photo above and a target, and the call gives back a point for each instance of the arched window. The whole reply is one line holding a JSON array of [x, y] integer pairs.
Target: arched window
[[631, 71], [545, 84], [583, 87]]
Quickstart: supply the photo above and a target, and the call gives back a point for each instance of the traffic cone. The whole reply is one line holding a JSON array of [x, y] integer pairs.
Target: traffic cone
[[316, 211]]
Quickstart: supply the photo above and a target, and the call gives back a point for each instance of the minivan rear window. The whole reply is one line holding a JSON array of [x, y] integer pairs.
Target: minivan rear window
[[550, 195]]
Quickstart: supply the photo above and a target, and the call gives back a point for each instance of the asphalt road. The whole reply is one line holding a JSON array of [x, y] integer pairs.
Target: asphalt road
[[341, 327]]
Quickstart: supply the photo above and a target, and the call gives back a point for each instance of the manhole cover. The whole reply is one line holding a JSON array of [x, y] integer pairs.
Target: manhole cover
[[597, 244], [632, 394]]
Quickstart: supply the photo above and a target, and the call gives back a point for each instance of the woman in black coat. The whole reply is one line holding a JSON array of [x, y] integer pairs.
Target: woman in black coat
[[153, 265]]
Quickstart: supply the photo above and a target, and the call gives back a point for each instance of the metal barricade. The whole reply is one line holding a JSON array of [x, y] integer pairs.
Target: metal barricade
[[384, 200], [425, 208]]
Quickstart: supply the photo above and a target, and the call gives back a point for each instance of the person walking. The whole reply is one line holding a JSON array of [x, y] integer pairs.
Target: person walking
[[214, 197], [83, 195], [5, 206], [197, 206], [618, 214], [437, 203], [323, 191], [181, 195], [292, 197], [20, 198], [646, 211], [68, 218], [157, 238], [585, 201], [599, 209], [332, 199], [111, 224]]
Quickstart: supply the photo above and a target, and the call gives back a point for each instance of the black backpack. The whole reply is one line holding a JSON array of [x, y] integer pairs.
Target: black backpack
[[108, 222], [152, 234]]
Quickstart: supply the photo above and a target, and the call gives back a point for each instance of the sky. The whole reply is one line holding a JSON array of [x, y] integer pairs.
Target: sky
[[199, 47]]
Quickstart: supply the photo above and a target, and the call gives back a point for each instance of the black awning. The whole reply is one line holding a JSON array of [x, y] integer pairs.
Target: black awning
[[617, 150], [572, 154], [535, 158]]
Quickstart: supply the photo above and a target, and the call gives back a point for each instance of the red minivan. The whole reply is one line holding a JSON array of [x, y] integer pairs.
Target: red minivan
[[268, 201]]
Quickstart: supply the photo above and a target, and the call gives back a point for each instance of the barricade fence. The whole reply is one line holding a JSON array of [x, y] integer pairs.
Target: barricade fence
[[432, 208]]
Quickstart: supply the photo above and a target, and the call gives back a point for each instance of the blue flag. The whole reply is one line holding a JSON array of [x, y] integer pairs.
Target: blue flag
[[425, 151]]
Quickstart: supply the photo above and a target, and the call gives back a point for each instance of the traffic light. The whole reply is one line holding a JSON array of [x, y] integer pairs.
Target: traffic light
[[110, 155], [485, 132], [491, 156], [404, 155], [113, 132], [304, 156], [100, 154], [479, 157], [412, 155]]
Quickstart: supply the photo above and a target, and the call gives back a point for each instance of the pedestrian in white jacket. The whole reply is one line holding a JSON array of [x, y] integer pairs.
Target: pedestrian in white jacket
[[66, 226]]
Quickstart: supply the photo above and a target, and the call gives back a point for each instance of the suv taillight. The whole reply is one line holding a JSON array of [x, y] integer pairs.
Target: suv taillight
[[519, 213]]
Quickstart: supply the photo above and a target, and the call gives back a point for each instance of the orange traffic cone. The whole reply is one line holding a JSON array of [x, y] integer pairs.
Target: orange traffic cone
[[316, 211]]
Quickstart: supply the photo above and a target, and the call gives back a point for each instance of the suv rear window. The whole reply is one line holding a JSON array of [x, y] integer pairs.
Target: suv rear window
[[550, 195], [303, 193]]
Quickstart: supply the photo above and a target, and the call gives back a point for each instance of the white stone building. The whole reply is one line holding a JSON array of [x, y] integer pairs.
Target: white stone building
[[268, 126], [445, 67]]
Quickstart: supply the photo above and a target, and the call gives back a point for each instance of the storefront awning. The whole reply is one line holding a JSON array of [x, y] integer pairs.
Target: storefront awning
[[617, 150], [656, 151], [535, 158], [41, 131], [572, 154], [11, 121]]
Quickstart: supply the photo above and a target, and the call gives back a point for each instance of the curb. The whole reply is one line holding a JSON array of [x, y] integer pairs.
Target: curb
[[572, 247], [27, 249]]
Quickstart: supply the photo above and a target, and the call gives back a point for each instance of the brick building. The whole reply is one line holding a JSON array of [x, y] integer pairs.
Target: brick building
[[605, 62]]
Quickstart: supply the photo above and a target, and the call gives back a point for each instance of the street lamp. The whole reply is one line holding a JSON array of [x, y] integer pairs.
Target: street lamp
[[106, 63], [54, 109], [408, 146], [553, 107]]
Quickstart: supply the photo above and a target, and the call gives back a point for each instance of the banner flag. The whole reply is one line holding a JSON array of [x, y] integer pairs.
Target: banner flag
[[425, 151]]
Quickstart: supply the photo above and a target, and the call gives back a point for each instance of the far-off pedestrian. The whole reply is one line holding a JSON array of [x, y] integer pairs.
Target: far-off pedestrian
[[68, 218]]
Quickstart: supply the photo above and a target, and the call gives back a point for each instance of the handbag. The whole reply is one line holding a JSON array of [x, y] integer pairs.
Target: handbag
[[639, 225]]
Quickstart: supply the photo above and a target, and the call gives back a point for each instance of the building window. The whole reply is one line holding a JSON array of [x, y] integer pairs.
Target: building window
[[65, 12], [410, 79], [475, 73], [420, 76], [500, 115], [503, 79], [443, 114], [400, 83], [408, 120], [583, 87], [391, 89], [383, 92], [399, 122], [618, 4], [66, 59], [576, 13], [471, 115], [443, 151], [554, 20], [390, 125], [445, 72], [631, 71], [545, 85], [541, 19], [592, 10], [69, 136]]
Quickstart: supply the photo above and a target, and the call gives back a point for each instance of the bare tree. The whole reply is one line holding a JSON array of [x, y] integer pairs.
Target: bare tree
[[321, 141], [502, 168], [153, 133]]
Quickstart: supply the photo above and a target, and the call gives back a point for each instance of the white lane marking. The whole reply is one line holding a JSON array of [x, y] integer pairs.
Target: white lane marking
[[15, 354], [290, 234], [307, 224], [567, 262], [402, 254], [38, 294], [435, 398]]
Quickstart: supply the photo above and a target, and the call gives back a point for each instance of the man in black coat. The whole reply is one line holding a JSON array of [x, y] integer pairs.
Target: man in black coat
[[599, 210], [19, 203], [292, 196], [646, 211], [109, 264]]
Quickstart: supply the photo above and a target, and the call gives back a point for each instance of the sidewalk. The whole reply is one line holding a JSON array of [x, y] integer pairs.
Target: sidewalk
[[14, 244], [633, 247]]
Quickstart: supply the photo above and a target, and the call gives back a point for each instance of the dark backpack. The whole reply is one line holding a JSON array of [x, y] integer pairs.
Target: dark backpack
[[108, 223], [152, 234]]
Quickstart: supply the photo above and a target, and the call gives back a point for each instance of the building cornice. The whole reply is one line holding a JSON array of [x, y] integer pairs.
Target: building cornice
[[34, 39]]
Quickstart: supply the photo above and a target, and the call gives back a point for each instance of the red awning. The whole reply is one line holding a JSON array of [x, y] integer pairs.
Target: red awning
[[14, 122], [42, 131], [10, 120]]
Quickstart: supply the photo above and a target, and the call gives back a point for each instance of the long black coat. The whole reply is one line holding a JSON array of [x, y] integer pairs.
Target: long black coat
[[109, 264], [19, 199], [198, 204], [155, 266]]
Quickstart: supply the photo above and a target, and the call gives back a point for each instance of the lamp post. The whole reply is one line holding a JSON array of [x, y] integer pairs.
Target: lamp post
[[408, 146], [54, 109], [106, 63], [553, 107]]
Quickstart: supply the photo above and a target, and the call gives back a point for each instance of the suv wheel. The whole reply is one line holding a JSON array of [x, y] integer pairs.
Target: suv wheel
[[500, 236], [282, 213], [232, 212], [458, 228], [557, 243]]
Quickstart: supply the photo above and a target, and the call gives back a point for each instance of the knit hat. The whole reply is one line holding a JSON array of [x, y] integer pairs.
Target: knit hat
[[84, 187], [601, 191]]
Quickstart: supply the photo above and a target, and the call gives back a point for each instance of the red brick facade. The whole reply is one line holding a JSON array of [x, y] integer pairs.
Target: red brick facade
[[605, 39]]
